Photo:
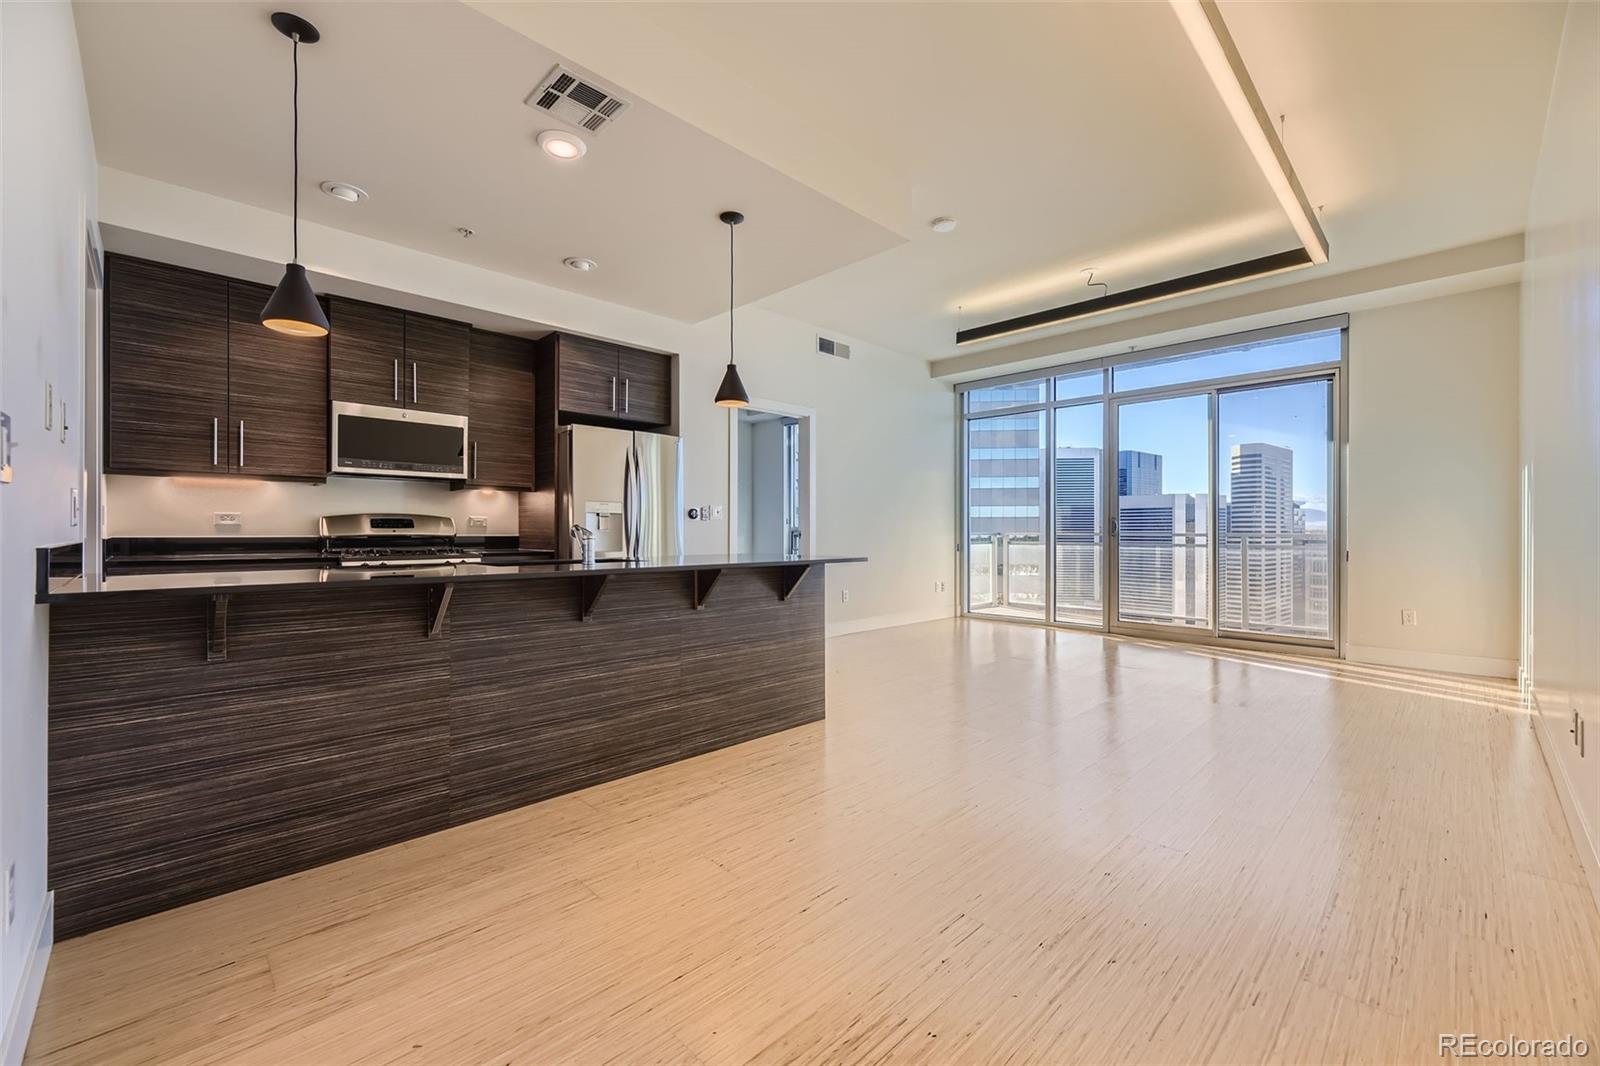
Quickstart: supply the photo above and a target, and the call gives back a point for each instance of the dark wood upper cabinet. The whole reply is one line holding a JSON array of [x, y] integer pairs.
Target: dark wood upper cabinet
[[392, 358], [500, 419], [166, 369], [587, 373], [434, 376], [611, 382], [366, 348], [277, 393], [646, 386]]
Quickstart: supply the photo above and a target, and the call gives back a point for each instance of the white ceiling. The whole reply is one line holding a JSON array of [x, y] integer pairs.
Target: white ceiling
[[1063, 136], [1067, 136], [422, 106]]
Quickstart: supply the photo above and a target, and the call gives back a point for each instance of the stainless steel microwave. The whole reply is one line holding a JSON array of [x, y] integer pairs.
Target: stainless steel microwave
[[397, 442]]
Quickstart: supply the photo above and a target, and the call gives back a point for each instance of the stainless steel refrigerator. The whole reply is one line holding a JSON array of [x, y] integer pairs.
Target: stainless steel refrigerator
[[624, 486]]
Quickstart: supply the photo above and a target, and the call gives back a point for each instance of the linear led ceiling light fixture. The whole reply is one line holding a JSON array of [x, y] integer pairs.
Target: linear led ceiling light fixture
[[1202, 21]]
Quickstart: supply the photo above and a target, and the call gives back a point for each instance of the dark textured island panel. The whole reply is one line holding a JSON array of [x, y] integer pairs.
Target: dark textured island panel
[[336, 725]]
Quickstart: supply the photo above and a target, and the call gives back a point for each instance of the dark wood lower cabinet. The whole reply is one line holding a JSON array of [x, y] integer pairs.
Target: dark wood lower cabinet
[[336, 725]]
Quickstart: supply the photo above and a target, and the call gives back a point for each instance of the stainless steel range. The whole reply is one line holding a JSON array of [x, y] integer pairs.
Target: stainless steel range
[[392, 540]]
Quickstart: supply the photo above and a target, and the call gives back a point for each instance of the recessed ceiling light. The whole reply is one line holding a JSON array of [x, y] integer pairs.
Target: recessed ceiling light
[[343, 190], [559, 144], [943, 224], [578, 262]]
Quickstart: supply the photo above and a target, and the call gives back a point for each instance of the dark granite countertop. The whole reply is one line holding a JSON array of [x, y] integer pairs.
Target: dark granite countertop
[[215, 580]]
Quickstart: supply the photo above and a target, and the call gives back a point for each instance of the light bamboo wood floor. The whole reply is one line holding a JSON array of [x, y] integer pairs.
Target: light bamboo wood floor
[[1004, 845]]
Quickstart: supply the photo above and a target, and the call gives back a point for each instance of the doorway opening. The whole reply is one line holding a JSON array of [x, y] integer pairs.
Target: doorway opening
[[770, 451]]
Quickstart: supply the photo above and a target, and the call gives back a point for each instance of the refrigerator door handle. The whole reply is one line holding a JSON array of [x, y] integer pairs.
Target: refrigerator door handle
[[630, 500]]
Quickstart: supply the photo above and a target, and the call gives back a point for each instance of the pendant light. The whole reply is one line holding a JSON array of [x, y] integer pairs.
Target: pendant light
[[731, 393], [293, 307]]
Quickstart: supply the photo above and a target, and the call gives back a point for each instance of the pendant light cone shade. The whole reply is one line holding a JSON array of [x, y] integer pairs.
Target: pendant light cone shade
[[293, 308], [731, 393]]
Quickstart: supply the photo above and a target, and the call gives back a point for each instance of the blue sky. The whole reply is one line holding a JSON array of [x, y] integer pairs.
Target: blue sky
[[1291, 416]]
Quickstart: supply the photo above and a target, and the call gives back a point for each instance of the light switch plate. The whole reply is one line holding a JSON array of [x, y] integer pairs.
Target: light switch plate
[[1408, 617]]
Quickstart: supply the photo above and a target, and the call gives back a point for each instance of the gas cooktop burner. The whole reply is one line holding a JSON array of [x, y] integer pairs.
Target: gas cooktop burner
[[405, 555]]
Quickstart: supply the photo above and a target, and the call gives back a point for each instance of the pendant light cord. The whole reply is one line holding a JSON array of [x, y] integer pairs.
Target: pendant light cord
[[730, 294], [296, 148]]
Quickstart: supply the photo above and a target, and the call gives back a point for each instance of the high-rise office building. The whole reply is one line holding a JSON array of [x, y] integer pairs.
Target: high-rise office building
[[1164, 558], [1258, 560], [1138, 474], [1079, 558]]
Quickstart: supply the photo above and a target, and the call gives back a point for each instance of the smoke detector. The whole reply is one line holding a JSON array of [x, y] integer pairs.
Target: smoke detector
[[576, 101]]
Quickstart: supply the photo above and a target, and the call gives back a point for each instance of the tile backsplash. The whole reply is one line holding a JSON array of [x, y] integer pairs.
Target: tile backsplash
[[187, 506]]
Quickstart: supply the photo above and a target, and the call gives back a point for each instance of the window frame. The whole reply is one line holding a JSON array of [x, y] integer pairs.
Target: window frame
[[1337, 368]]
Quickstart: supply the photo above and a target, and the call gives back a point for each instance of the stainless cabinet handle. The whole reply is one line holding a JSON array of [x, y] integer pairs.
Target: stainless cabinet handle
[[474, 460], [397, 381], [241, 444], [214, 452], [613, 392], [625, 395], [413, 382]]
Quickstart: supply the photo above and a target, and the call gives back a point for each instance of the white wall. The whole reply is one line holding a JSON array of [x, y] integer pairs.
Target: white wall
[[47, 203], [884, 478], [1561, 426], [1431, 518]]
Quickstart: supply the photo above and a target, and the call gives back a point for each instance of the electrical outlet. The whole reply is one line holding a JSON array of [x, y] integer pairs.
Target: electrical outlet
[[705, 512], [844, 595], [11, 894], [478, 521], [1408, 617], [938, 586], [230, 519]]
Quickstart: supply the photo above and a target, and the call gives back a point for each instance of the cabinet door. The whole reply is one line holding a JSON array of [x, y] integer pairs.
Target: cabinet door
[[646, 389], [366, 348], [434, 374], [500, 415], [167, 369], [587, 372], [277, 393]]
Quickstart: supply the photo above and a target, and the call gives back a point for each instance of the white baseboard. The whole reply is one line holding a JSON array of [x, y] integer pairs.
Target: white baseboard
[[1477, 665], [1583, 839], [887, 621], [20, 1019]]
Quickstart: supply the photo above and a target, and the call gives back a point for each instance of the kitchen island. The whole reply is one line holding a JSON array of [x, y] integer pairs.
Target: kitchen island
[[214, 728]]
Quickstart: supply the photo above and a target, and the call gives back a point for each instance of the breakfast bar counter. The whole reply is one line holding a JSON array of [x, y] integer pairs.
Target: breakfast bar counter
[[214, 728]]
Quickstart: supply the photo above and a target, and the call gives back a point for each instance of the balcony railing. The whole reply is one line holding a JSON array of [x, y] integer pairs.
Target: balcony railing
[[1007, 570], [1275, 583]]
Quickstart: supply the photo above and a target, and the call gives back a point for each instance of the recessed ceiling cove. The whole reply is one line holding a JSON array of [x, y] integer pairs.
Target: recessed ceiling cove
[[423, 106]]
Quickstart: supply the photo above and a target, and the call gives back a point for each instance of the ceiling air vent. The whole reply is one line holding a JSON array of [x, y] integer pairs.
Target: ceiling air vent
[[829, 346], [575, 101]]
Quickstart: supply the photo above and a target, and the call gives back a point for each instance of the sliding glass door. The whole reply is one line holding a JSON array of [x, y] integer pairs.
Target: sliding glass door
[[1163, 511], [1274, 466], [1185, 491]]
